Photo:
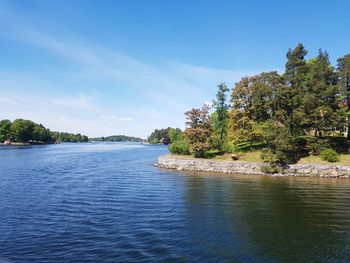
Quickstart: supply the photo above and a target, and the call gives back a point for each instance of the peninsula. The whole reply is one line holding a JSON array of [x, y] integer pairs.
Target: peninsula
[[295, 123]]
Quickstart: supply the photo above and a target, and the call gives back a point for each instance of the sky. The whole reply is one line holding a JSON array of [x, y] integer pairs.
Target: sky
[[129, 66]]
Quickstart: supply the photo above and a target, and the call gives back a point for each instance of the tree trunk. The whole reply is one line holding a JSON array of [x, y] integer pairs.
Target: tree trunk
[[348, 137]]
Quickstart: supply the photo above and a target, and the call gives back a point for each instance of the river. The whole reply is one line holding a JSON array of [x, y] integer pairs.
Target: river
[[100, 202]]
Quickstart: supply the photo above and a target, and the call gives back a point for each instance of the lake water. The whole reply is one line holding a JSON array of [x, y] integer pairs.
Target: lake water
[[107, 203]]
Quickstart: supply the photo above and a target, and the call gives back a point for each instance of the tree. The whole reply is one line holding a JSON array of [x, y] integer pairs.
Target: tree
[[21, 130], [344, 82], [174, 134], [41, 134], [5, 130], [281, 149], [295, 76], [221, 111], [254, 101], [320, 102], [198, 132]]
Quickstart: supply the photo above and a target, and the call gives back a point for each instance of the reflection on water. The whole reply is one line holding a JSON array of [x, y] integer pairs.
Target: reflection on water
[[107, 203]]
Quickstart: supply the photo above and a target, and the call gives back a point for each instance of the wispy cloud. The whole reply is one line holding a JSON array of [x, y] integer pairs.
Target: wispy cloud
[[102, 91]]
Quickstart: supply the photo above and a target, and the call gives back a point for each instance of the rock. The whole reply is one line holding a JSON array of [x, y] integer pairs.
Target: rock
[[234, 157]]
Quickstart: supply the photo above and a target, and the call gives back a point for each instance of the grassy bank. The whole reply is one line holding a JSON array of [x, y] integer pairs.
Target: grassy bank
[[254, 156]]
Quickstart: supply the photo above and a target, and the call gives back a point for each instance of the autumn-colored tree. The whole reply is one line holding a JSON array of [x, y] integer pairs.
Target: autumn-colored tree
[[199, 131]]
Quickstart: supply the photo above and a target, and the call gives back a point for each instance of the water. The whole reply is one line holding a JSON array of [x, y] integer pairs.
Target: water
[[107, 203]]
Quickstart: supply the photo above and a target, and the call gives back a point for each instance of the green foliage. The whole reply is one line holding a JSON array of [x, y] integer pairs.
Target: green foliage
[[221, 116], [228, 147], [281, 143], [271, 168], [69, 137], [315, 145], [329, 155], [117, 138], [268, 156], [344, 87], [174, 134], [303, 111], [180, 146], [5, 130], [22, 130], [163, 136], [27, 131]]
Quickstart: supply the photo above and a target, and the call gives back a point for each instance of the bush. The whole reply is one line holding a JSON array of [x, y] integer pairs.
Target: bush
[[271, 168], [329, 155], [268, 156], [228, 147], [179, 147], [316, 145]]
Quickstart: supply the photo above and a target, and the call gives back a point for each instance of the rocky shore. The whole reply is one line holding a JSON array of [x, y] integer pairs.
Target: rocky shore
[[249, 168]]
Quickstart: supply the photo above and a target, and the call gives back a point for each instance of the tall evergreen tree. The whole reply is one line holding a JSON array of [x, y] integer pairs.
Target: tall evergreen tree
[[295, 76], [221, 108], [320, 102], [344, 82]]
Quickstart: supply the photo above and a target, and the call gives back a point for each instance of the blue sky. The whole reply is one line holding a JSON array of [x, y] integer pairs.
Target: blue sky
[[128, 67]]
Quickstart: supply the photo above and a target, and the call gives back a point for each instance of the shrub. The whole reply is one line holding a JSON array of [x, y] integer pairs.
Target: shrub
[[179, 147], [228, 147], [268, 156], [329, 155], [316, 145], [271, 168], [272, 162]]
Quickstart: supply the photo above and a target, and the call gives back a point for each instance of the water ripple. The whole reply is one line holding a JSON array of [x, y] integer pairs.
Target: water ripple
[[107, 203]]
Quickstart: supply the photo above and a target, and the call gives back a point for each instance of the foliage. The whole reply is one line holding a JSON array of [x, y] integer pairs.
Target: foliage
[[180, 146], [315, 145], [221, 115], [329, 155], [300, 112], [175, 134], [162, 136], [198, 134], [21, 130], [69, 137], [344, 86], [5, 130], [117, 138], [198, 140], [271, 168], [280, 142]]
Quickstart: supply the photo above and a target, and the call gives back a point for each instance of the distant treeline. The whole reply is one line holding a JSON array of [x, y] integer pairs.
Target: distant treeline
[[22, 130], [163, 136], [117, 138]]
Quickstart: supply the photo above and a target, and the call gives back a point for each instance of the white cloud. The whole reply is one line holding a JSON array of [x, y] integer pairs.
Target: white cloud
[[78, 99]]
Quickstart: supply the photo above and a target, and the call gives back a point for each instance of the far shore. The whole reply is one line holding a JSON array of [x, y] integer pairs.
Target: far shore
[[188, 163], [25, 143]]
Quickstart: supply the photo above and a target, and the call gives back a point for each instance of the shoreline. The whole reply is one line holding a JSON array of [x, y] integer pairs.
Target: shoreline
[[184, 163], [24, 143]]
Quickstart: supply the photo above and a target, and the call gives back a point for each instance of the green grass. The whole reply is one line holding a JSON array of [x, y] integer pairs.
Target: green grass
[[344, 159], [249, 146], [254, 156]]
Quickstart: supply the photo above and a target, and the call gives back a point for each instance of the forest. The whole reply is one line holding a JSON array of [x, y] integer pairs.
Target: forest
[[303, 112], [21, 130], [117, 138]]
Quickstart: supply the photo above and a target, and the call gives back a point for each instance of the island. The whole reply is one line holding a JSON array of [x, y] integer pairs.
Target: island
[[291, 123], [117, 138]]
